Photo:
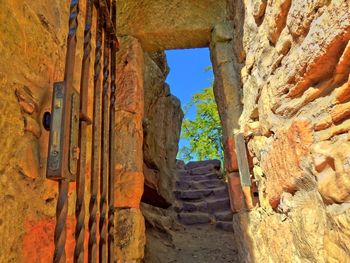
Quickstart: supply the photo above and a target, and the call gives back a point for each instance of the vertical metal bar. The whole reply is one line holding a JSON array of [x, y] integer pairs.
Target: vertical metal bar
[[104, 149], [61, 218], [84, 86], [62, 202], [112, 141], [96, 140]]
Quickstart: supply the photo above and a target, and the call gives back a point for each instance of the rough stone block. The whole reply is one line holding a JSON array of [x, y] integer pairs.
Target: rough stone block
[[130, 77], [129, 235], [128, 150], [282, 164], [179, 24], [235, 192], [230, 157], [128, 189]]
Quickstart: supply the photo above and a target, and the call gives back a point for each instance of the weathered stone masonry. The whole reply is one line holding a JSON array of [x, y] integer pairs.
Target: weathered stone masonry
[[295, 76], [282, 67], [129, 178]]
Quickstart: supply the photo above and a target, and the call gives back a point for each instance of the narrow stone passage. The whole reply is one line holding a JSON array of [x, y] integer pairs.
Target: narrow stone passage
[[198, 227]]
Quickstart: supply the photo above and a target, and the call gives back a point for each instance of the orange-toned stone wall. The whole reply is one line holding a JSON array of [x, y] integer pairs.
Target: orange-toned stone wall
[[293, 59], [32, 47]]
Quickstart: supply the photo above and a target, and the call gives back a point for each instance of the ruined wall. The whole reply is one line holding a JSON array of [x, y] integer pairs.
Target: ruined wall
[[295, 57], [162, 126]]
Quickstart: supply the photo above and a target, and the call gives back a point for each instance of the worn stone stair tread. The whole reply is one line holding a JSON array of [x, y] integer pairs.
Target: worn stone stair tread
[[218, 204], [224, 216], [203, 177], [207, 206], [226, 226], [193, 218], [211, 183], [202, 170], [200, 194], [193, 207], [214, 163]]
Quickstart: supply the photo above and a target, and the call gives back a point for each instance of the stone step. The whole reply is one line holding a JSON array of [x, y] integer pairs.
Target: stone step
[[201, 194], [210, 206], [191, 207], [193, 218], [202, 170], [203, 184], [218, 204], [182, 173], [224, 216], [213, 163], [209, 176], [226, 226]]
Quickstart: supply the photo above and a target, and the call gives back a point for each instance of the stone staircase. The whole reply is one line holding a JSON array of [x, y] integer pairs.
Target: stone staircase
[[202, 197]]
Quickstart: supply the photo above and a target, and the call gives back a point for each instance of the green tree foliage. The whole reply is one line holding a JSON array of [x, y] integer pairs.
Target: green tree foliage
[[203, 132]]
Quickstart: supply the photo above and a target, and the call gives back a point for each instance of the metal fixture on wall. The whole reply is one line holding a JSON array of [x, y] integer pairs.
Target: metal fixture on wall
[[68, 135]]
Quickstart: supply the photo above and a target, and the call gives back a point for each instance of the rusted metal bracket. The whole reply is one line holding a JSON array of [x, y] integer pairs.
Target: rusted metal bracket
[[59, 165], [242, 159]]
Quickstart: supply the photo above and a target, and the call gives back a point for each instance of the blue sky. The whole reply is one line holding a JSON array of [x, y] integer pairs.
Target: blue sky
[[187, 74]]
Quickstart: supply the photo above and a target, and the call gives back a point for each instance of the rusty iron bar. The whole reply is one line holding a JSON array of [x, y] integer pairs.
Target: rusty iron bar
[[62, 202], [96, 143], [112, 143], [105, 150], [104, 5], [61, 218], [84, 86]]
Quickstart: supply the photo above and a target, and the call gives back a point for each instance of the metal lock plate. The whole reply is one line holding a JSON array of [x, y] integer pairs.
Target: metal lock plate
[[61, 163], [55, 144], [74, 134], [242, 159]]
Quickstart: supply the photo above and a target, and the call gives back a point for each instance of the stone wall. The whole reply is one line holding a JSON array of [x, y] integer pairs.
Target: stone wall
[[295, 57], [33, 55], [32, 47]]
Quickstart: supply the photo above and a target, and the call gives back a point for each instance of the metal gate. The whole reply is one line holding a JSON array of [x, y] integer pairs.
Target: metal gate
[[68, 135]]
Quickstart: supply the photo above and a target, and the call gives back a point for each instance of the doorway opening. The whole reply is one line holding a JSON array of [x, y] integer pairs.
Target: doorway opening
[[197, 226], [191, 79]]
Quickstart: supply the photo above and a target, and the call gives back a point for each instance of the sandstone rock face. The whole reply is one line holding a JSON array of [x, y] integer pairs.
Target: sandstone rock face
[[162, 126], [161, 24], [295, 118], [297, 76], [306, 231]]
